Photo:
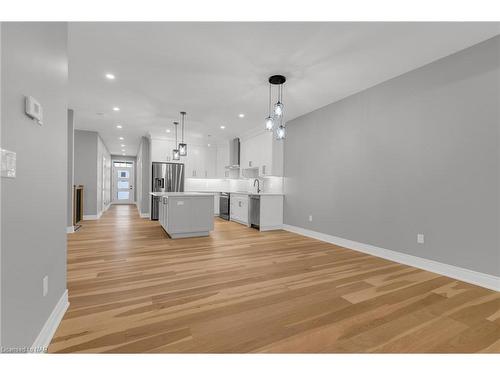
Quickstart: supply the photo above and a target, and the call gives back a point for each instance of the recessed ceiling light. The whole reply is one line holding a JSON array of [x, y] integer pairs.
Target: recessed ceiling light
[[119, 126], [241, 115], [121, 138], [168, 130], [116, 109], [222, 127], [110, 76], [122, 145], [208, 145], [123, 154], [123, 150]]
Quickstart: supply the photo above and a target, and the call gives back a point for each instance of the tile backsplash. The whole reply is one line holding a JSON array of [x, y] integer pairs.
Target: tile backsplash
[[268, 184]]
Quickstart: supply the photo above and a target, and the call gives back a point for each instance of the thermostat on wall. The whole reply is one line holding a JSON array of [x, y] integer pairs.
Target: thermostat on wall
[[34, 109]]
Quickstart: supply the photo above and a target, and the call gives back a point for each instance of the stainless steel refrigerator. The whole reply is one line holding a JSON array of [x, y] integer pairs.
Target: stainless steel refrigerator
[[165, 177]]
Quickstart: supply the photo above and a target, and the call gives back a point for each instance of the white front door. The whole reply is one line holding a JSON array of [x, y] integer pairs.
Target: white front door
[[123, 182]]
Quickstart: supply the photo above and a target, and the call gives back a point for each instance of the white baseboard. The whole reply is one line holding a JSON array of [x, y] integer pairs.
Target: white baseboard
[[264, 228], [463, 274], [49, 328], [70, 229], [92, 217], [142, 215]]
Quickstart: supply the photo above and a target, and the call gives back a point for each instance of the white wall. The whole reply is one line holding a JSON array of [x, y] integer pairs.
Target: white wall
[[103, 176]]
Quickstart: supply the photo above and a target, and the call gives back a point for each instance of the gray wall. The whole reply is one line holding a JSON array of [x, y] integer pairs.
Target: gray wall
[[71, 128], [143, 173], [33, 212], [85, 168], [0, 186], [416, 154]]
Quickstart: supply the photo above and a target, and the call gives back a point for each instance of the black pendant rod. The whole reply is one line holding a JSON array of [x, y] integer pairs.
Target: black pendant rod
[[175, 124], [183, 114], [270, 91]]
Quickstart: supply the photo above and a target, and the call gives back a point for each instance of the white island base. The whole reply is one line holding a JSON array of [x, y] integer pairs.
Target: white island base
[[185, 215]]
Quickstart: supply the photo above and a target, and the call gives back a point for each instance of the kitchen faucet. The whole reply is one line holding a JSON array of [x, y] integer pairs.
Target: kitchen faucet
[[258, 185]]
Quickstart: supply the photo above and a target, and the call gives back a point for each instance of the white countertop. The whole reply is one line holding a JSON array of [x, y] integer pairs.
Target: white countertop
[[181, 194], [246, 193]]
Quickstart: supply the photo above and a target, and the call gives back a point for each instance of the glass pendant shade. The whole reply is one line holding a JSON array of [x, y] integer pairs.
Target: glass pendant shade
[[269, 123], [278, 109], [176, 155], [280, 132], [183, 149]]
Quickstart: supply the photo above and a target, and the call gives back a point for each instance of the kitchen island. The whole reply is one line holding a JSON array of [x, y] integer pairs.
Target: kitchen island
[[186, 214]]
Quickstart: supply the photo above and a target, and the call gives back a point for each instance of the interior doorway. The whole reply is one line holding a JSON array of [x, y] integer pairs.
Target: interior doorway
[[123, 182]]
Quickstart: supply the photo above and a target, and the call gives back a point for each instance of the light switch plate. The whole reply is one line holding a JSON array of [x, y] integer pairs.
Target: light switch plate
[[8, 163], [420, 238]]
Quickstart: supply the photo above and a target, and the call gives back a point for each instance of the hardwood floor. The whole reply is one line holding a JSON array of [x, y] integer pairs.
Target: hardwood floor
[[132, 289]]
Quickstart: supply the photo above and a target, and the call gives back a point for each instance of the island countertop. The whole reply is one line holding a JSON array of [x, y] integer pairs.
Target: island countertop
[[180, 194]]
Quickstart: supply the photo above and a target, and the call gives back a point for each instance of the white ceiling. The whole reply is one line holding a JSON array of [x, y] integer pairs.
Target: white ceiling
[[215, 71]]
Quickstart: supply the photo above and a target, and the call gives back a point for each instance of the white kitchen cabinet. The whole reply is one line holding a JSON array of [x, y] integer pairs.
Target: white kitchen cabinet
[[200, 161], [222, 160], [210, 162], [161, 210], [249, 153], [161, 151], [216, 204], [187, 214], [238, 210], [271, 212], [264, 153]]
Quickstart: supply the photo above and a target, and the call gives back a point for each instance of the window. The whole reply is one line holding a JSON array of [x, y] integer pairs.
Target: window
[[123, 164], [123, 195], [123, 174]]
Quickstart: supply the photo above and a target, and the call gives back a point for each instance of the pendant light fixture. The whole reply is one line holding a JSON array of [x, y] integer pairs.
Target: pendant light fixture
[[175, 152], [269, 122], [182, 146], [278, 110]]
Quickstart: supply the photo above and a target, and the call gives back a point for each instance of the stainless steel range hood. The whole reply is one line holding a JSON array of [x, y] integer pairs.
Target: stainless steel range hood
[[234, 154]]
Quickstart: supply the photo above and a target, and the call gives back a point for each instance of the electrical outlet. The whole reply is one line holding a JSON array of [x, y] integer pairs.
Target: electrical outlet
[[310, 217], [45, 285], [420, 238]]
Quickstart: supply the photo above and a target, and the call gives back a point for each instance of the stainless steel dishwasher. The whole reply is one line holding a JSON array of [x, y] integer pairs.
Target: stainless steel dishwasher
[[255, 211]]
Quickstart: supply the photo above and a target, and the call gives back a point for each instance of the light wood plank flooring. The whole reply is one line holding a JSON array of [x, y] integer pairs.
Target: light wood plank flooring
[[132, 290]]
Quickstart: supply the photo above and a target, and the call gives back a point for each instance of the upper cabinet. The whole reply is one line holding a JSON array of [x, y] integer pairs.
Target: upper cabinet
[[222, 161], [262, 153], [200, 161], [161, 150]]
